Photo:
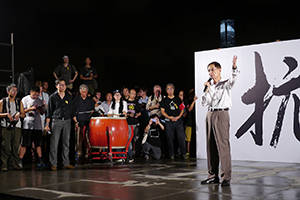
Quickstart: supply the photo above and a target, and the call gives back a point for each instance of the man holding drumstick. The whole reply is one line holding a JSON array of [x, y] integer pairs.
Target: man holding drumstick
[[83, 108]]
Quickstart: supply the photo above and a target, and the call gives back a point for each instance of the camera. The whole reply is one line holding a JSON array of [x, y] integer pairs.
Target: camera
[[154, 120]]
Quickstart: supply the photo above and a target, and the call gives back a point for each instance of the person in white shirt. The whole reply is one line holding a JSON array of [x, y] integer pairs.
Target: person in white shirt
[[32, 125], [117, 107], [217, 97], [106, 104]]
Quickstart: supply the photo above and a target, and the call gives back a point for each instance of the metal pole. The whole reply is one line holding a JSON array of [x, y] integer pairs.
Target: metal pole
[[12, 58]]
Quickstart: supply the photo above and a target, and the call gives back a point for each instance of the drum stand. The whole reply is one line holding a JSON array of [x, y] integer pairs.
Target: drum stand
[[109, 154]]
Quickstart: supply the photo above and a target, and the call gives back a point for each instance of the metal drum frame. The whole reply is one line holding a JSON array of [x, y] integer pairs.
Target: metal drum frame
[[106, 152]]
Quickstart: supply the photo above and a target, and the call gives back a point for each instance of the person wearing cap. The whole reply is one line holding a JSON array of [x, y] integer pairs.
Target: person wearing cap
[[65, 71], [153, 104], [117, 107]]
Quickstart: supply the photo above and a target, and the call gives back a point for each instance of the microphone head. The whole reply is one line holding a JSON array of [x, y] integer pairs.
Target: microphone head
[[210, 78]]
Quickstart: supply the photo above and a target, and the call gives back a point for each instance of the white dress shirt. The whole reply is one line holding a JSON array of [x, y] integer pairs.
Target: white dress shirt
[[219, 94]]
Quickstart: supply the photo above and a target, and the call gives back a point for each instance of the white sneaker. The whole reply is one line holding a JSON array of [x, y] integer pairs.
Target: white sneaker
[[20, 164]]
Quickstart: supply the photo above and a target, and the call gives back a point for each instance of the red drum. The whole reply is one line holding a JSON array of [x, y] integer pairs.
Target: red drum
[[117, 127]]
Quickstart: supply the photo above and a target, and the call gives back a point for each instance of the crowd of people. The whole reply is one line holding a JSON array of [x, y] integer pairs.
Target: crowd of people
[[154, 121]]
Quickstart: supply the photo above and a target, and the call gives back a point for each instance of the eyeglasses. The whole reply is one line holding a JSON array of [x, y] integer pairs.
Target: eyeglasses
[[62, 85]]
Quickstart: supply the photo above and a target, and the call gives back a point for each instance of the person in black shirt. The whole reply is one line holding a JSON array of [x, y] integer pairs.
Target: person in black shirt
[[83, 108], [189, 118], [133, 112], [172, 109], [151, 140], [66, 70], [60, 110], [87, 74]]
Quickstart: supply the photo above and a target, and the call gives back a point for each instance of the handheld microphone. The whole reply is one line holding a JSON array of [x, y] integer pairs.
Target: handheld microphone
[[205, 88]]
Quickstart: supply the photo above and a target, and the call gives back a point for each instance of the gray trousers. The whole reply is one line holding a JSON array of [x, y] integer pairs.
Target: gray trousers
[[60, 128], [156, 152], [218, 146]]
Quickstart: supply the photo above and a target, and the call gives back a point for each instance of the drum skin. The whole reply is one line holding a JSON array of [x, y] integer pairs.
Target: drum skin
[[117, 127]]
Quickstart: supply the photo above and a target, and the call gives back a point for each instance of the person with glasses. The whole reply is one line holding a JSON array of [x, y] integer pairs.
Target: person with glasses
[[60, 110], [11, 109], [172, 109], [32, 125], [153, 104]]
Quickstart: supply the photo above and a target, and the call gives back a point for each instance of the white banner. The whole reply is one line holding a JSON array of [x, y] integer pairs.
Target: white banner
[[264, 118]]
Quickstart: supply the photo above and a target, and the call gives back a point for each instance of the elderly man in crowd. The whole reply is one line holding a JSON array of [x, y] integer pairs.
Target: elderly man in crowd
[[83, 108], [172, 110], [153, 104]]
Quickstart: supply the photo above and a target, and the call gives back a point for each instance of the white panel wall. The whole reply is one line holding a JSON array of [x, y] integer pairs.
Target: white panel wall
[[272, 56]]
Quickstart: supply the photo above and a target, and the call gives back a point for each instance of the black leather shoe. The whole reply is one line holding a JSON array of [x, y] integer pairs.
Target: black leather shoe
[[225, 183], [210, 181]]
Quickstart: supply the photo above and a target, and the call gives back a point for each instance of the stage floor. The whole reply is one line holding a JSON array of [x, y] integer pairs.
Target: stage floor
[[142, 179]]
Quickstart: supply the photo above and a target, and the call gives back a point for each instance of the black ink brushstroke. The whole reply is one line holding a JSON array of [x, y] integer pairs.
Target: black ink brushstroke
[[278, 124], [291, 63], [256, 95], [287, 87], [296, 117]]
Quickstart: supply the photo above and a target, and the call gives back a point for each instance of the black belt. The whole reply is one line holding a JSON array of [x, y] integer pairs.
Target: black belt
[[218, 109], [62, 118]]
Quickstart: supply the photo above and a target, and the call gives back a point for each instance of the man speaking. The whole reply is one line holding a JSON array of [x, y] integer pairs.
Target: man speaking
[[217, 97]]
